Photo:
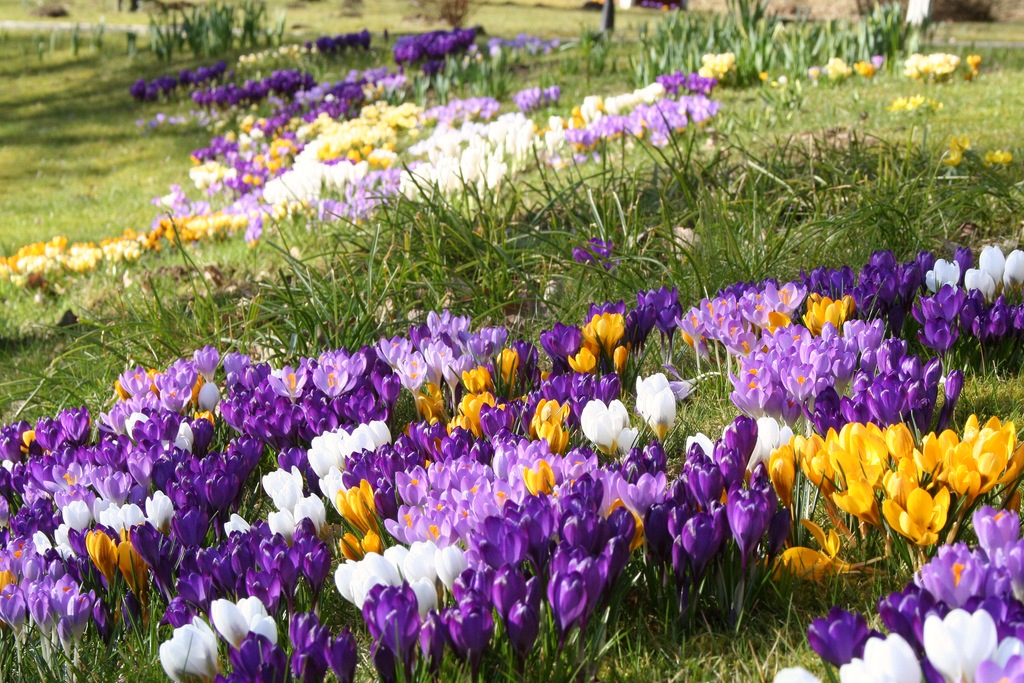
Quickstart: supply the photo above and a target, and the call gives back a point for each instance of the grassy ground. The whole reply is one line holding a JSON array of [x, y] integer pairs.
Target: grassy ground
[[782, 182]]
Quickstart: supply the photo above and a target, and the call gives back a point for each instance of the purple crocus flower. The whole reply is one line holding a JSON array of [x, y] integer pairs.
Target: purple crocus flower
[[840, 636], [749, 513]]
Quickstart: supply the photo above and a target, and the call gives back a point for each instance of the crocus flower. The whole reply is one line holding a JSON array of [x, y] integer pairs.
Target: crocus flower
[[957, 644], [888, 660], [191, 653], [235, 621], [656, 403], [840, 637], [607, 425]]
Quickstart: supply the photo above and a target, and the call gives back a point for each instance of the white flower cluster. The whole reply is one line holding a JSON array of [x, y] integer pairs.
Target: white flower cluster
[[996, 273], [421, 565], [475, 155]]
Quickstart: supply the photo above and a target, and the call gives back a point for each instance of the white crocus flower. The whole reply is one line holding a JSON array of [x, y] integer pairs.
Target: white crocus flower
[[420, 562], [284, 487], [957, 644], [77, 515], [450, 562], [1013, 271], [191, 653], [236, 621], [889, 660], [795, 675], [426, 594], [656, 403], [159, 511], [942, 273], [993, 262], [236, 524], [607, 425], [282, 522], [982, 281], [770, 435]]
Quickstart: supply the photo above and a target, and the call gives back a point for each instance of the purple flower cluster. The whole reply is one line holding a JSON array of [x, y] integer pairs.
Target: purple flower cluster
[[655, 122], [329, 45], [435, 46], [148, 91], [683, 83], [786, 369], [531, 45], [737, 315], [283, 83], [461, 111], [532, 99]]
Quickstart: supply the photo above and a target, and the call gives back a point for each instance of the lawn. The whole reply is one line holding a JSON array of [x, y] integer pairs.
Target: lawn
[[664, 562]]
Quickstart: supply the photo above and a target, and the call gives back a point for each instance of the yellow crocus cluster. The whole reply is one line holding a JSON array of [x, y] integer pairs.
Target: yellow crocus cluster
[[717, 66], [30, 265], [359, 509], [110, 556], [873, 473], [547, 424], [822, 309], [601, 339], [913, 103], [355, 548], [372, 135], [934, 67], [838, 70]]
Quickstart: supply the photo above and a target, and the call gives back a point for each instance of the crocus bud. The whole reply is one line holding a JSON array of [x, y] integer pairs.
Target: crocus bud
[[1013, 270], [982, 281], [992, 262]]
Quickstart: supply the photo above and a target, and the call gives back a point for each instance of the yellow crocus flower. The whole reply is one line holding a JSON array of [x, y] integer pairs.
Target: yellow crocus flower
[[547, 424], [859, 500], [584, 361], [539, 480], [806, 563], [922, 518], [103, 553], [133, 568], [468, 416], [998, 156], [508, 362], [604, 332], [782, 471], [900, 441], [358, 507], [814, 461], [430, 403], [477, 380], [822, 309]]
